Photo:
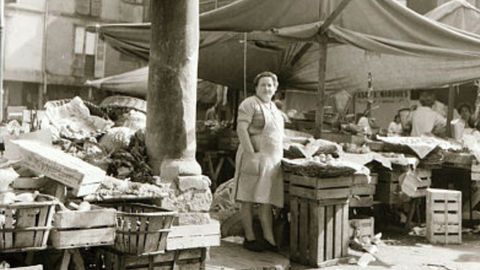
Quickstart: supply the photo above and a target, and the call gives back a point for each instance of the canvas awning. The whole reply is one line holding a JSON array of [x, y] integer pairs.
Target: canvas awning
[[401, 49]]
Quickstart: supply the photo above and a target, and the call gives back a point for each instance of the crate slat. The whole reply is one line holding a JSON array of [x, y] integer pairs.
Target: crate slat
[[329, 231], [444, 216], [338, 212], [294, 215], [303, 231], [82, 238], [320, 194]]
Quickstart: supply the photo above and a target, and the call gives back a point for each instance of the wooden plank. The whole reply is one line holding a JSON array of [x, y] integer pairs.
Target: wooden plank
[[25, 218], [191, 230], [338, 227], [320, 237], [9, 218], [303, 231], [442, 228], [313, 230], [54, 163], [294, 215], [446, 218], [365, 189], [82, 238], [361, 201], [65, 260], [442, 239], [319, 183], [199, 241], [444, 206], [85, 219], [359, 179], [320, 194], [329, 232], [42, 221], [33, 267], [345, 230]]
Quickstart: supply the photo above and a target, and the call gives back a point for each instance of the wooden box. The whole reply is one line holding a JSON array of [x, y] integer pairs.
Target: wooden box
[[73, 229], [315, 188], [388, 187], [73, 172], [416, 188], [27, 225], [444, 216], [475, 168], [141, 229], [363, 190], [180, 259], [194, 236], [361, 228], [318, 231]]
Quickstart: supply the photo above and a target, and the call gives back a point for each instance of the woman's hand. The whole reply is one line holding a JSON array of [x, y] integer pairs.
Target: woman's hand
[[244, 137]]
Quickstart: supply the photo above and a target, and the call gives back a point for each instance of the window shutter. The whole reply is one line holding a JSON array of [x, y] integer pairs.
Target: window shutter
[[82, 7], [78, 66], [96, 8]]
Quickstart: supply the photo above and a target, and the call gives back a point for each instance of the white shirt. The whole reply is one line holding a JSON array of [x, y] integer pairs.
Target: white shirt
[[425, 120], [365, 125], [395, 129]]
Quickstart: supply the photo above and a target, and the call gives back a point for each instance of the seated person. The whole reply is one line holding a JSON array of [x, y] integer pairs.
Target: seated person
[[426, 121]]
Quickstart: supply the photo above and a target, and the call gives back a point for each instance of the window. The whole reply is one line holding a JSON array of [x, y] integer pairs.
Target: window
[[84, 53], [89, 7]]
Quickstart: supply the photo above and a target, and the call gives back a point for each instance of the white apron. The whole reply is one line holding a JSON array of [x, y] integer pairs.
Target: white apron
[[267, 186]]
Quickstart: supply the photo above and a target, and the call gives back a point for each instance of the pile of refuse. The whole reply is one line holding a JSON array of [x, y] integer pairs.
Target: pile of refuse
[[110, 136]]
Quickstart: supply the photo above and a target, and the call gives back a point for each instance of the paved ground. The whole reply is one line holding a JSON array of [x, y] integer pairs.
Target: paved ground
[[400, 252]]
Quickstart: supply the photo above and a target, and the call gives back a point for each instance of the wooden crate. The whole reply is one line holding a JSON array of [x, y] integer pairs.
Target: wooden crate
[[318, 230], [194, 236], [418, 187], [74, 229], [179, 259], [73, 172], [363, 190], [475, 168], [361, 228], [444, 216], [388, 187], [315, 188], [27, 225], [141, 229]]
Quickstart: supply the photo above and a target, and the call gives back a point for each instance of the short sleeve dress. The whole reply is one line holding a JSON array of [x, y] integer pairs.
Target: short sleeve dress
[[266, 130]]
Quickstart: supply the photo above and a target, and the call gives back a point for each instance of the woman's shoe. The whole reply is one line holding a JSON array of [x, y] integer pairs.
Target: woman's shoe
[[268, 246], [253, 245]]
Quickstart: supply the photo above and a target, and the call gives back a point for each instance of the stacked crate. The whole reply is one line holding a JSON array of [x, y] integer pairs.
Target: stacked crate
[[416, 188], [361, 228], [363, 190], [319, 219], [388, 188], [444, 216]]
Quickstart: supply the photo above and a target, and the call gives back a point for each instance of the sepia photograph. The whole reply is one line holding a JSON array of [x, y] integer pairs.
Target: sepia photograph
[[239, 134]]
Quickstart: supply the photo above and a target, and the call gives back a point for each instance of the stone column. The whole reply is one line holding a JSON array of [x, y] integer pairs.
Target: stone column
[[172, 88]]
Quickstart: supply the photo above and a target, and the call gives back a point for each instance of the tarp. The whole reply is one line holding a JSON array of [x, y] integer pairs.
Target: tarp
[[135, 83], [403, 49]]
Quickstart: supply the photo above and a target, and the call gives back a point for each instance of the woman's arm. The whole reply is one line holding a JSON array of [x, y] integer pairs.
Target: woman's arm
[[244, 137]]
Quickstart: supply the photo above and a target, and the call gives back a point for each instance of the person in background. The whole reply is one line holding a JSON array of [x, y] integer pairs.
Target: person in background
[[430, 97], [258, 174], [365, 123], [466, 115], [395, 128], [425, 120]]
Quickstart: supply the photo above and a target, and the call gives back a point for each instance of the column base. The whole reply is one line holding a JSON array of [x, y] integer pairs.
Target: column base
[[172, 168]]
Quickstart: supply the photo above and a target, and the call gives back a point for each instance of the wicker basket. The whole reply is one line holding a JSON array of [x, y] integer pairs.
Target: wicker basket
[[142, 229], [27, 225]]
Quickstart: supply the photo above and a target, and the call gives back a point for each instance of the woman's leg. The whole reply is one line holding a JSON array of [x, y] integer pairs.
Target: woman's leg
[[246, 212], [267, 223]]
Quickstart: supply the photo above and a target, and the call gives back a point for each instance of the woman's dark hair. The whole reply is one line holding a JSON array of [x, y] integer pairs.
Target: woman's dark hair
[[465, 105], [265, 74], [396, 116]]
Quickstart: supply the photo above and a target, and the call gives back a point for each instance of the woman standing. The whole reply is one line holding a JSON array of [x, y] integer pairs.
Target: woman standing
[[260, 129]]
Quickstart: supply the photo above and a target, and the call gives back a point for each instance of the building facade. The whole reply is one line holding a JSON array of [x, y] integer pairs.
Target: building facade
[[48, 53]]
